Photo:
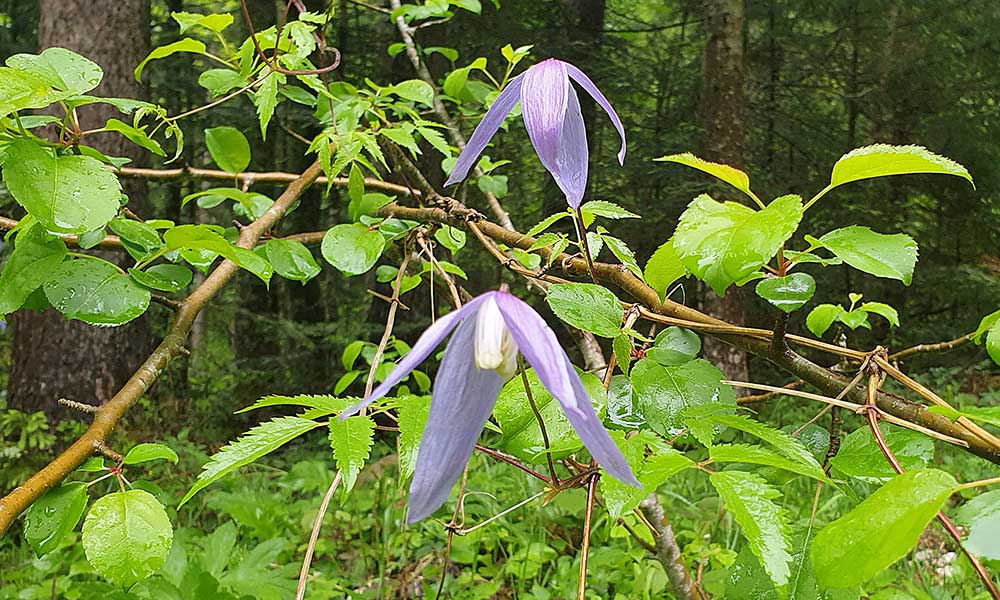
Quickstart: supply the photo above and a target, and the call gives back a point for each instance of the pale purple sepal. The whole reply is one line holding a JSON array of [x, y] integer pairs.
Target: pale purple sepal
[[486, 129], [431, 338], [462, 400], [580, 77], [540, 347]]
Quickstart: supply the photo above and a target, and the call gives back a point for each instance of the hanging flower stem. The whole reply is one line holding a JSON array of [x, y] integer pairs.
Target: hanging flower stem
[[581, 232]]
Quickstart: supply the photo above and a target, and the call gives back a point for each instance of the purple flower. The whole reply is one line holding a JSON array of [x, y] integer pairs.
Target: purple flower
[[481, 356], [555, 125]]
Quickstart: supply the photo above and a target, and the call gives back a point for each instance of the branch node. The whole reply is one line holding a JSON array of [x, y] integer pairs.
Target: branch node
[[102, 449], [80, 406]]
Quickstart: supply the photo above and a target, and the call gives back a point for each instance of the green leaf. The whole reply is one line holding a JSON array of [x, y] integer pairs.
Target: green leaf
[[135, 135], [351, 441], [202, 238], [748, 498], [662, 393], [412, 413], [993, 343], [674, 346], [724, 243], [883, 310], [981, 516], [36, 255], [20, 90], [95, 291], [166, 278], [664, 268], [587, 306], [220, 81], [60, 68], [622, 347], [821, 317], [759, 455], [859, 455], [50, 518], [415, 90], [266, 99], [521, 435], [985, 324], [216, 22], [546, 223], [291, 259], [147, 452], [620, 498], [450, 237], [890, 256], [139, 237], [623, 253], [608, 210], [787, 293], [67, 194], [785, 444], [748, 581], [401, 136], [493, 184], [229, 148], [183, 45], [352, 248], [880, 160], [731, 175], [880, 530], [126, 536], [257, 442]]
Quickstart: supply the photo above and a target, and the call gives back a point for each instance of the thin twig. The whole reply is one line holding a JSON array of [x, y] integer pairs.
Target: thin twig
[[581, 588], [300, 591], [541, 422], [938, 347]]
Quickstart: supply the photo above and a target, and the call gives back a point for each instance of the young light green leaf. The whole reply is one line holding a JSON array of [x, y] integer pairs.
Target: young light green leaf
[[67, 194], [623, 253], [229, 148], [415, 90], [545, 223], [352, 248], [55, 514], [60, 68], [881, 160], [215, 22], [620, 498], [257, 442], [723, 243], [202, 238], [351, 441], [36, 255], [95, 291], [146, 452], [622, 347], [880, 530], [890, 256], [266, 99], [664, 268], [137, 136], [749, 498], [291, 259], [993, 343], [883, 310], [787, 293], [821, 317], [731, 175], [412, 413], [587, 306], [662, 393], [981, 516], [126, 536], [183, 45]]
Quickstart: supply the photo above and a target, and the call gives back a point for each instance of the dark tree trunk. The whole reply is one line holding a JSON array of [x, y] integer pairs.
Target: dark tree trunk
[[723, 107], [53, 358]]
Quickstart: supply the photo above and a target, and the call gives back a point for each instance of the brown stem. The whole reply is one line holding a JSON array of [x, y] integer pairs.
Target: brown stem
[[300, 591], [581, 231], [938, 347], [541, 422], [510, 460], [581, 588], [112, 411], [668, 551]]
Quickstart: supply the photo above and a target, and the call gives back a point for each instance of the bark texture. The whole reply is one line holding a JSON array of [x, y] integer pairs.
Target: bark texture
[[723, 108], [54, 358]]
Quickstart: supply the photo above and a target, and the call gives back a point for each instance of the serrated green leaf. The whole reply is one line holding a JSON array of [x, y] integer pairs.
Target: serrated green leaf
[[748, 498], [608, 210], [674, 346], [622, 347], [95, 291], [146, 452], [787, 293], [759, 455], [412, 413], [860, 456], [545, 223], [291, 259], [55, 514], [229, 148], [890, 256], [220, 81], [662, 393], [785, 444], [587, 306], [881, 160], [36, 255], [126, 536], [620, 498], [723, 243], [183, 45], [623, 253], [880, 530], [351, 441], [352, 248], [401, 136], [257, 442], [731, 175], [266, 99], [67, 194]]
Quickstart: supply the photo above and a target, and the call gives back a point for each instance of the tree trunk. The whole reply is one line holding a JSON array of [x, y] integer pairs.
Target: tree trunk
[[723, 108], [54, 358]]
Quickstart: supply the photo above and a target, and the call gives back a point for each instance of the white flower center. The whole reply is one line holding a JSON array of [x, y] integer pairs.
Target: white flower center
[[495, 348]]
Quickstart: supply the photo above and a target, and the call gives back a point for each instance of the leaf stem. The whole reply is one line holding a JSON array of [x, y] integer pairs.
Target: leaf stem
[[541, 422], [581, 232]]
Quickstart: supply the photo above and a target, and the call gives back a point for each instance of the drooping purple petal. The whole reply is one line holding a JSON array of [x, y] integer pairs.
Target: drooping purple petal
[[462, 400], [581, 78], [484, 132], [573, 157], [541, 349], [544, 97], [428, 341]]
